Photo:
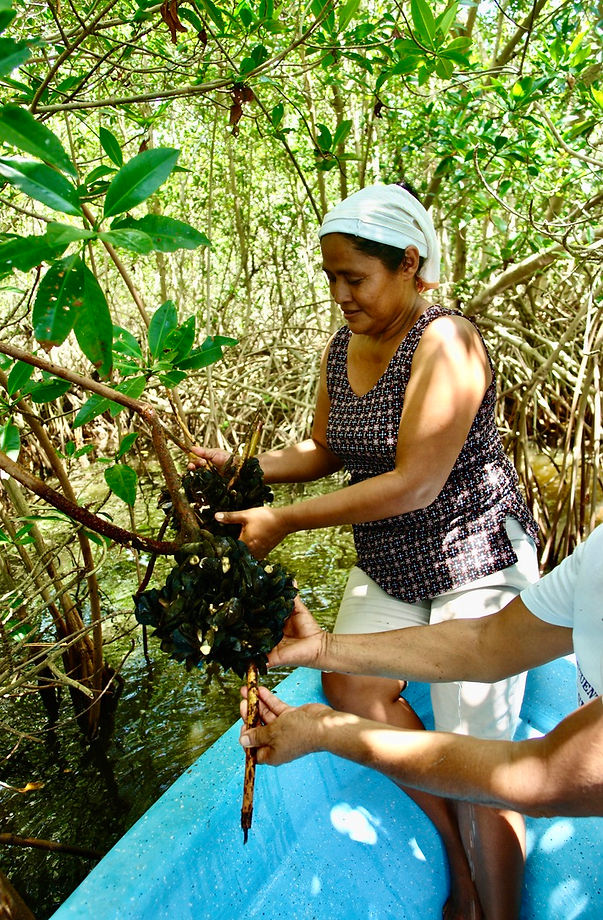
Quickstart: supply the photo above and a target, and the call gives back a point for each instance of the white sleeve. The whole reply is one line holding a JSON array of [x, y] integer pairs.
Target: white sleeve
[[552, 598]]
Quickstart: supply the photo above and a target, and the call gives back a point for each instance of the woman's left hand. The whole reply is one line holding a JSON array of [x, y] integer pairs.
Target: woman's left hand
[[261, 528]]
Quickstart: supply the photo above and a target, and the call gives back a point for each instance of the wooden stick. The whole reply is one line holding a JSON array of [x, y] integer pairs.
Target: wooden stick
[[252, 720]]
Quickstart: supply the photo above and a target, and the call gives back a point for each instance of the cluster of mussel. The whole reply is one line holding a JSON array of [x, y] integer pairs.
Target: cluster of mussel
[[219, 604]]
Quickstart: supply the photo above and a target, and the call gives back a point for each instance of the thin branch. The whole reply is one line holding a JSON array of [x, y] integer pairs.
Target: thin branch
[[82, 515], [67, 52]]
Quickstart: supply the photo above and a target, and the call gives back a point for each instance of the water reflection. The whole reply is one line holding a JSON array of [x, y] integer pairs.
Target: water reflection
[[165, 719]]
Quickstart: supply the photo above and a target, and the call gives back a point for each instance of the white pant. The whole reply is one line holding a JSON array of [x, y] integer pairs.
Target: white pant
[[464, 707]]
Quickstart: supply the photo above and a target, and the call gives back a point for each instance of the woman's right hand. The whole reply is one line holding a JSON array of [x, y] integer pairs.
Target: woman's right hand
[[198, 457]]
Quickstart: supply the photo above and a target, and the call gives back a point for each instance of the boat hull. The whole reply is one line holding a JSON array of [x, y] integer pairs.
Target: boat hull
[[329, 839]]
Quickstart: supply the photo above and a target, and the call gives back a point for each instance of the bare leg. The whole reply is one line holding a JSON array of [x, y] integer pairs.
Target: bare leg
[[379, 699], [495, 843]]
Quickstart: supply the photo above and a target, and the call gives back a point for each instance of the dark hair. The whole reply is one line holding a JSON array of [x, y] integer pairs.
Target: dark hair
[[391, 256]]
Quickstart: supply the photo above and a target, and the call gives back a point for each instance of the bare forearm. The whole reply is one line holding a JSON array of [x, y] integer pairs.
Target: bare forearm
[[485, 649], [303, 462], [387, 495], [558, 774]]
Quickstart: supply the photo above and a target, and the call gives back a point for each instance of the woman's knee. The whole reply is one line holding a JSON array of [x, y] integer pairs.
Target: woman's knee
[[369, 698], [337, 689]]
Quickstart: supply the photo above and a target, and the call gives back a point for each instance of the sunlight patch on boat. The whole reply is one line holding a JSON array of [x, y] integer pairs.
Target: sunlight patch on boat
[[357, 823], [556, 836], [416, 850], [569, 901]]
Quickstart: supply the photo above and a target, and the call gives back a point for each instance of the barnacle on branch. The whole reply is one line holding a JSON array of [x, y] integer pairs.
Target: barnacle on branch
[[236, 486]]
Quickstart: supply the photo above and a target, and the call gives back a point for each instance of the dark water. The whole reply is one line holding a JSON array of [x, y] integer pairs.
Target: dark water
[[165, 719]]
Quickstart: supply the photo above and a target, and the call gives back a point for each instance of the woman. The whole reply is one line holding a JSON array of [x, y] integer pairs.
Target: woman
[[406, 404]]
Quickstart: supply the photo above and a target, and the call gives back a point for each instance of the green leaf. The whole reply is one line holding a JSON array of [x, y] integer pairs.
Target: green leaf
[[132, 387], [122, 480], [41, 182], [444, 166], [24, 252], [407, 65], [445, 20], [22, 536], [208, 353], [58, 299], [214, 12], [172, 378], [405, 47], [132, 240], [423, 20], [111, 146], [139, 178], [167, 234], [7, 14], [58, 234], [444, 68], [180, 341], [20, 129], [126, 444], [597, 95], [190, 16], [93, 406], [48, 389], [85, 449], [460, 43], [12, 55], [324, 138], [341, 132], [96, 404], [164, 321], [124, 343], [10, 440], [347, 13], [93, 327], [99, 172], [18, 377], [276, 116], [46, 516]]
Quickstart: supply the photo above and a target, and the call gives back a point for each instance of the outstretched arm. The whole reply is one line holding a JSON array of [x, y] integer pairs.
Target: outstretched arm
[[485, 649], [561, 773], [305, 461]]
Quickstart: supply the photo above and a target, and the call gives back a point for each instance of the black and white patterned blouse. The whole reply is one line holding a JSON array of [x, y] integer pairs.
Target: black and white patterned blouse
[[461, 535]]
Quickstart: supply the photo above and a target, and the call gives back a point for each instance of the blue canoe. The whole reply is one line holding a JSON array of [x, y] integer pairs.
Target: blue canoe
[[329, 839]]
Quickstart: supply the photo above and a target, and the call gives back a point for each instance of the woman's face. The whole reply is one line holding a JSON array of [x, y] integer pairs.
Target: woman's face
[[373, 299]]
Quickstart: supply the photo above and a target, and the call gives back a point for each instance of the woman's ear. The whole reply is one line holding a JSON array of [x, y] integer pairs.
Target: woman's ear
[[410, 263]]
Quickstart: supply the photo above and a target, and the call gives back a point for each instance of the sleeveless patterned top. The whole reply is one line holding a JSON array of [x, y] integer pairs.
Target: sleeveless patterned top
[[460, 536]]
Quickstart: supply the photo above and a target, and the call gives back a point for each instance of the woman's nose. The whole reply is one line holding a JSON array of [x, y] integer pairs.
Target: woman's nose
[[341, 291]]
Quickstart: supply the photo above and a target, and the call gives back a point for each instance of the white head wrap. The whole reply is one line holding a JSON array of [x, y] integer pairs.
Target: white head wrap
[[388, 214]]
